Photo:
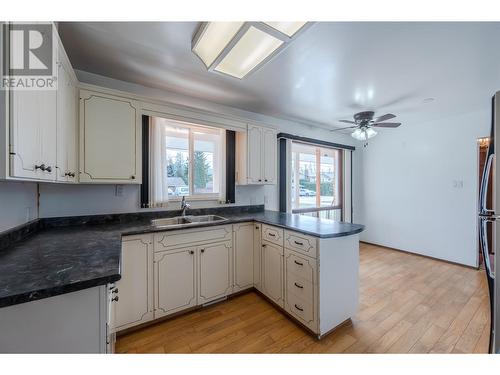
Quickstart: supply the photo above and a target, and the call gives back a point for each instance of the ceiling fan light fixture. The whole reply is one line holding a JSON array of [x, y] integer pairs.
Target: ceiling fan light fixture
[[363, 134]]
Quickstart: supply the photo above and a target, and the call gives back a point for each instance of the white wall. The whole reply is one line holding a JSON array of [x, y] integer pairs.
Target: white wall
[[18, 203], [69, 200], [66, 200], [410, 200]]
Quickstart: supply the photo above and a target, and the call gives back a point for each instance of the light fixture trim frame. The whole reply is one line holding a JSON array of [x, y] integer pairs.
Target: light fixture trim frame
[[236, 38]]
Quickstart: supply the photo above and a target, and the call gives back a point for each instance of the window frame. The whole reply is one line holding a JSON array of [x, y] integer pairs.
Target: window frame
[[340, 163], [203, 196]]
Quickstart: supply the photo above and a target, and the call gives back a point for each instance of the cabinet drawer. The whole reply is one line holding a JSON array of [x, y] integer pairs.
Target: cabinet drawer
[[272, 234], [300, 287], [187, 237], [302, 310], [301, 243], [300, 266]]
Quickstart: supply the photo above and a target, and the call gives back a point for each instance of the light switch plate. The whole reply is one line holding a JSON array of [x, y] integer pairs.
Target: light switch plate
[[119, 190]]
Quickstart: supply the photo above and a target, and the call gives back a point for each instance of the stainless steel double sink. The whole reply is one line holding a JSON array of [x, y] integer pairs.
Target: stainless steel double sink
[[184, 221]]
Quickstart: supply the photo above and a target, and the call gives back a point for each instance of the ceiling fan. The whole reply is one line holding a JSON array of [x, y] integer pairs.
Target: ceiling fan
[[364, 124]]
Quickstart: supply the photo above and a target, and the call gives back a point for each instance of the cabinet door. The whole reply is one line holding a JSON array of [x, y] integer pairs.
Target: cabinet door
[[135, 288], [243, 256], [254, 155], [110, 139], [66, 123], [214, 271], [175, 281], [272, 272], [269, 161], [33, 133], [257, 249]]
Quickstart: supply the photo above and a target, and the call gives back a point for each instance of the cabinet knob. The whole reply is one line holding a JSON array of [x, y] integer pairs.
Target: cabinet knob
[[260, 180], [191, 252], [263, 245], [265, 180], [202, 250], [132, 177], [114, 290], [115, 299], [48, 169], [41, 167], [257, 227]]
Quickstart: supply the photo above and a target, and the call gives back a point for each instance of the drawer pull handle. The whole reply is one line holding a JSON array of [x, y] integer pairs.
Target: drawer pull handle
[[299, 286], [298, 308], [298, 263], [299, 243], [272, 234]]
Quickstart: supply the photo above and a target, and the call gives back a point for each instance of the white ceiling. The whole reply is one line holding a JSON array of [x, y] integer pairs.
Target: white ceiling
[[330, 72]]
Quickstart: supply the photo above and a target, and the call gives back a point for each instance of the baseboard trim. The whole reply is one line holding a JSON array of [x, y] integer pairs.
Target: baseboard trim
[[420, 255]]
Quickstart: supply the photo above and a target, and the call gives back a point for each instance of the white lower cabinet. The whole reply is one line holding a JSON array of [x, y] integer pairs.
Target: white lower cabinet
[[257, 256], [300, 288], [135, 288], [175, 281], [172, 271], [272, 272], [243, 242], [214, 270]]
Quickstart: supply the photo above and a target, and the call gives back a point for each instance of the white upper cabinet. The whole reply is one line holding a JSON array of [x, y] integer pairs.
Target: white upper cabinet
[[43, 128], [256, 156], [243, 256], [269, 156], [33, 134], [67, 121], [110, 139]]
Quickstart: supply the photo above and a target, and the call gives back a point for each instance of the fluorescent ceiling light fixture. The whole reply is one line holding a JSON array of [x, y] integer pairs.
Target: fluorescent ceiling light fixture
[[216, 36], [287, 28], [363, 134], [239, 48], [253, 48]]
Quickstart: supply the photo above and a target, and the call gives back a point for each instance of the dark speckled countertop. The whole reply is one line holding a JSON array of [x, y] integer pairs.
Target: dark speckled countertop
[[61, 255]]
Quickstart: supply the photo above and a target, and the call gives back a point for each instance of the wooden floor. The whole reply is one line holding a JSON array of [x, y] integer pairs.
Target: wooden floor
[[407, 304]]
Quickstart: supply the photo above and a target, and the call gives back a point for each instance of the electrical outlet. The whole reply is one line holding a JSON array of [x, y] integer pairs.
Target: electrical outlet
[[118, 190]]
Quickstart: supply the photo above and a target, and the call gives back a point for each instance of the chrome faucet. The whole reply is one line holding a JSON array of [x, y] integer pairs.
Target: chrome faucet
[[184, 205]]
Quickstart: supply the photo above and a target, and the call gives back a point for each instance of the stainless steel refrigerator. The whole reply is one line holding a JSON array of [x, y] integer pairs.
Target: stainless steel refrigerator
[[489, 222]]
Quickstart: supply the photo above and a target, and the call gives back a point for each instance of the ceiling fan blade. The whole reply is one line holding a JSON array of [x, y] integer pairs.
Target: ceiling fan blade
[[387, 116], [349, 127], [386, 124], [347, 121]]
